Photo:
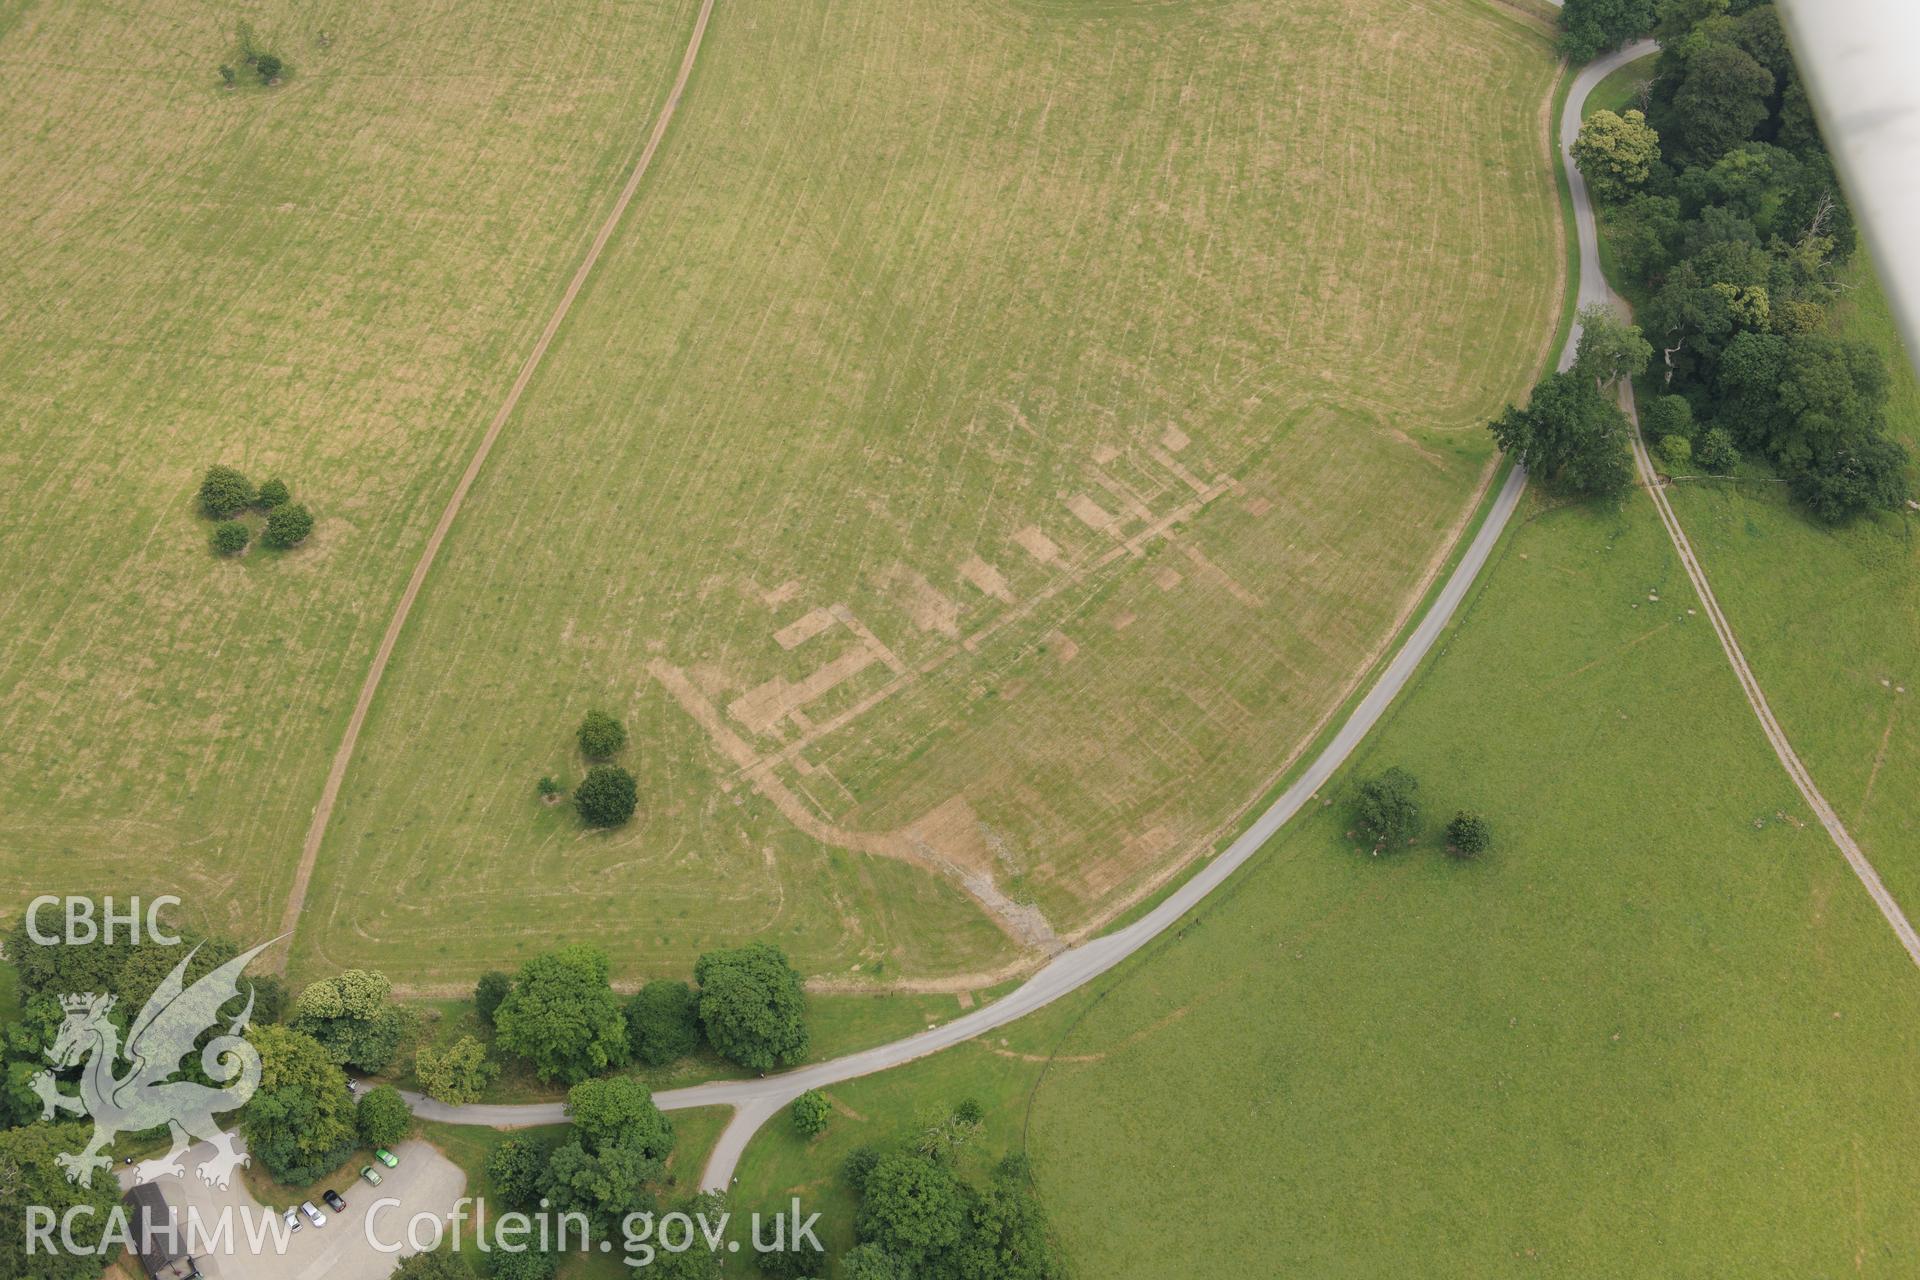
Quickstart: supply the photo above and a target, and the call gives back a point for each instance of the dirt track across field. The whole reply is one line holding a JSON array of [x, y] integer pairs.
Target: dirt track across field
[[336, 775]]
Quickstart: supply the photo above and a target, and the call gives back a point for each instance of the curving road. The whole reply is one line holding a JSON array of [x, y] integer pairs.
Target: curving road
[[756, 1101]]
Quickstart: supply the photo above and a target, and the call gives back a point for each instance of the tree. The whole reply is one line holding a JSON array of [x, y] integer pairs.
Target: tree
[[605, 1186], [226, 75], [224, 492], [288, 526], [1722, 98], [792, 1261], [489, 992], [441, 1264], [563, 1017], [870, 1262], [696, 1262], [1006, 1237], [858, 1166], [811, 1111], [273, 493], [913, 1208], [269, 68], [456, 1075], [1717, 452], [1677, 453], [230, 538], [607, 796], [527, 1264], [1644, 232], [351, 1016], [1864, 473], [753, 1006], [943, 1131], [382, 1116], [1668, 416], [300, 1123], [1616, 153], [1387, 809], [1610, 349], [1589, 28], [663, 1022], [30, 1177], [619, 1112], [517, 1168], [1570, 436], [1468, 835], [601, 736]]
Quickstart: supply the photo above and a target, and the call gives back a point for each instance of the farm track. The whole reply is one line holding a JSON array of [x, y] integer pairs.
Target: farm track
[[756, 1101], [343, 757], [1594, 288], [1756, 697]]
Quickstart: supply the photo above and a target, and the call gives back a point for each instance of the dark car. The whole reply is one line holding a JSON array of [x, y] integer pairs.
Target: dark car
[[334, 1202]]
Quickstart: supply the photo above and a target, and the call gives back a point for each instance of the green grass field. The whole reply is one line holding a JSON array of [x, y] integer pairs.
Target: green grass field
[[331, 281], [1659, 1030], [1830, 621], [991, 444]]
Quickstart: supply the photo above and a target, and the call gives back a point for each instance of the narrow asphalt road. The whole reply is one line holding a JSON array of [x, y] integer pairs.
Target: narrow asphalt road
[[756, 1101]]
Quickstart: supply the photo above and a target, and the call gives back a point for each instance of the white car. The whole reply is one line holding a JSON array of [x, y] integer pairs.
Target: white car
[[293, 1220], [314, 1216]]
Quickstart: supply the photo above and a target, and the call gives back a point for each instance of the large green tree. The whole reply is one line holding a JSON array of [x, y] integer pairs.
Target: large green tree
[[300, 1123], [607, 796], [1386, 809], [753, 1006], [1722, 98], [563, 1017], [1616, 153], [1570, 436], [663, 1022], [382, 1116], [353, 1017], [1006, 1236], [915, 1209], [1589, 28], [457, 1074], [1610, 348], [619, 1112], [30, 1178], [441, 1264]]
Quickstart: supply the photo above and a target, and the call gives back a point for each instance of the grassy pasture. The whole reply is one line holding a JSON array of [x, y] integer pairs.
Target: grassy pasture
[[993, 439], [331, 282], [1610, 1047], [1658, 1030], [1830, 620]]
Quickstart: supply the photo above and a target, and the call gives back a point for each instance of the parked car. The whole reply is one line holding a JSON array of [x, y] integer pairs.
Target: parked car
[[293, 1220], [314, 1216], [371, 1175], [334, 1202], [386, 1158]]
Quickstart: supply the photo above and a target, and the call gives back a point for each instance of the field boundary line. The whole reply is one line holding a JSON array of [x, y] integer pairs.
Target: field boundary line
[[343, 756]]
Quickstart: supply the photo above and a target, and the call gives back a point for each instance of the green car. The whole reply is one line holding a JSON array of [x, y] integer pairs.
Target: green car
[[386, 1157], [371, 1176]]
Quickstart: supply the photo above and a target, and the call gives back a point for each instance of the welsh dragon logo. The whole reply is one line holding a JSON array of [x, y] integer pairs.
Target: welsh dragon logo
[[145, 1098]]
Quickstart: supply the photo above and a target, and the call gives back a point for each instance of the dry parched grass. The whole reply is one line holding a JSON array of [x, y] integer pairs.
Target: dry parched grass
[[988, 447], [330, 282]]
